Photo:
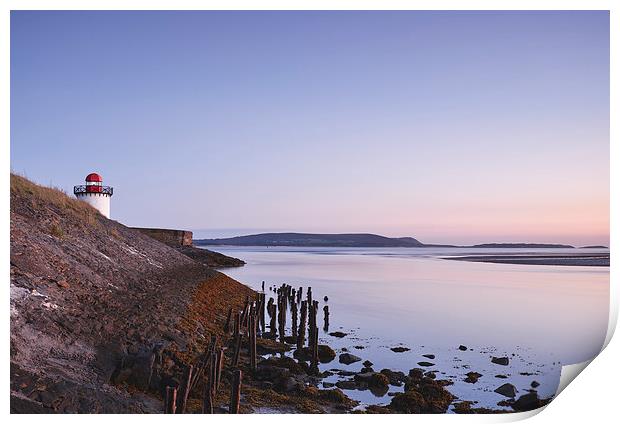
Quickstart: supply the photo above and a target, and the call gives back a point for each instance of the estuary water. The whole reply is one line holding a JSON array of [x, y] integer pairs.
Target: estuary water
[[540, 316]]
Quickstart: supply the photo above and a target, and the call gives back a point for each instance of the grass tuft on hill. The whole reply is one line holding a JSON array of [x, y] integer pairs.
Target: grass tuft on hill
[[51, 198]]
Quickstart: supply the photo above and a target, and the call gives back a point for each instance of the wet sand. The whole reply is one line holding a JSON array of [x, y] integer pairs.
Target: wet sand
[[569, 260]]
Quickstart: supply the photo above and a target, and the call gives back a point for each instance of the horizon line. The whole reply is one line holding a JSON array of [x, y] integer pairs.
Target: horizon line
[[389, 237]]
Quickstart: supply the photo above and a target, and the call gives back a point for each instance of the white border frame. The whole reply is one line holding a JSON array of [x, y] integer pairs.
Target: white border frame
[[592, 398]]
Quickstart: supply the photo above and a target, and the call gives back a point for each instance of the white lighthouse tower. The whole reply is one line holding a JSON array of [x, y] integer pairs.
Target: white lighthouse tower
[[95, 193]]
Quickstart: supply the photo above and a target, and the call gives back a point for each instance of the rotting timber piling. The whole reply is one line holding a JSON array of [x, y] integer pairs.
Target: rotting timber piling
[[242, 330]]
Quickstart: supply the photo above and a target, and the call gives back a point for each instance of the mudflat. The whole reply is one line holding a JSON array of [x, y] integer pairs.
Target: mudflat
[[588, 259]]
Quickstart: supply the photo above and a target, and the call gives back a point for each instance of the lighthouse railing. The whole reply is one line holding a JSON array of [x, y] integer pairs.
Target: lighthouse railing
[[81, 189]]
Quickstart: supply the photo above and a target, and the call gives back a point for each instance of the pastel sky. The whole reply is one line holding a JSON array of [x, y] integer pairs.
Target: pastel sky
[[455, 127]]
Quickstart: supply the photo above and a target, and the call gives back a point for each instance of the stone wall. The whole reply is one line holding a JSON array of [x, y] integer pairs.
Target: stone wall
[[173, 238]]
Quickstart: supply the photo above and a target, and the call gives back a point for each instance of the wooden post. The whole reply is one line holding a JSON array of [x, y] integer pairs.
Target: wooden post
[[263, 286], [251, 312], [185, 389], [247, 314], [294, 319], [227, 325], [236, 351], [262, 313], [311, 317], [314, 347], [315, 351], [220, 364], [235, 394], [272, 316], [237, 340], [237, 324], [210, 384], [207, 402], [326, 318], [202, 363], [301, 335], [244, 314], [213, 374], [171, 400], [282, 317], [253, 342]]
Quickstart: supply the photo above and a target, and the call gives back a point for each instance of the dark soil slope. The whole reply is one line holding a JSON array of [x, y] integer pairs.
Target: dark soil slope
[[91, 300]]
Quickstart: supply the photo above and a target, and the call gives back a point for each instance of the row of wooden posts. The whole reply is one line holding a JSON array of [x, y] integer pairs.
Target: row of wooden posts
[[208, 367], [307, 309], [246, 324]]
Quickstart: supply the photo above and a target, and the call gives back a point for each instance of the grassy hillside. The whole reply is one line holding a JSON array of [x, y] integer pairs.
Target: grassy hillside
[[88, 295]]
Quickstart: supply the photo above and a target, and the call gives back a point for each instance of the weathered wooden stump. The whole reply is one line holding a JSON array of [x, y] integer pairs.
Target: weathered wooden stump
[[220, 365], [185, 389], [252, 342], [227, 325], [294, 319], [301, 335], [235, 395], [326, 318], [170, 402]]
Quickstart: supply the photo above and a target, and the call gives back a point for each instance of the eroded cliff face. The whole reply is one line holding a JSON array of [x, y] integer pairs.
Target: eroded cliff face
[[99, 312]]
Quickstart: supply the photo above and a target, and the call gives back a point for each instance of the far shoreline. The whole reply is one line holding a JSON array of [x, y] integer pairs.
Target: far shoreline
[[600, 260], [574, 258]]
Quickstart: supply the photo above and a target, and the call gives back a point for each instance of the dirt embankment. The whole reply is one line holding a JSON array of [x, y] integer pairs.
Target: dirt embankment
[[93, 302]]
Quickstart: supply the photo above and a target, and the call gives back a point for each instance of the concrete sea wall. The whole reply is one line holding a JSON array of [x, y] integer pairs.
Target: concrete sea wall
[[173, 238]]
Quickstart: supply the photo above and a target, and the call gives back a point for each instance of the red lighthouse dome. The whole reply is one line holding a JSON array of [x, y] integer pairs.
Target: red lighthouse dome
[[94, 178], [94, 183]]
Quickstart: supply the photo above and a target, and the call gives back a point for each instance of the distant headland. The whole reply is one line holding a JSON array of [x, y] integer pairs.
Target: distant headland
[[352, 240]]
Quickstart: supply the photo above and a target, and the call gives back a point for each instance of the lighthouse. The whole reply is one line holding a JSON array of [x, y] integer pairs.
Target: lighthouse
[[95, 193]]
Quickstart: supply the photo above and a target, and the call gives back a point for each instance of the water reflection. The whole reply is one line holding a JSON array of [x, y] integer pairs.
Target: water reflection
[[541, 316]]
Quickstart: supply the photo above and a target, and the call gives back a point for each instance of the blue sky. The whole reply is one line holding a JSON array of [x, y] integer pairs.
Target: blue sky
[[447, 126]]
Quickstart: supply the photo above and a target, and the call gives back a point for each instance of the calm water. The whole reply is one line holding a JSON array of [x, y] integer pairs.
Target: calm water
[[541, 317]]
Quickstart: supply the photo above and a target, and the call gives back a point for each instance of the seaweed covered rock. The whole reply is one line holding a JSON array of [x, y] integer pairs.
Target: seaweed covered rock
[[348, 358], [500, 361], [411, 402], [373, 379], [282, 362], [267, 347], [507, 390], [326, 354], [529, 402], [377, 409], [396, 378], [465, 407], [416, 374], [472, 377], [422, 395], [347, 384], [334, 395], [288, 384]]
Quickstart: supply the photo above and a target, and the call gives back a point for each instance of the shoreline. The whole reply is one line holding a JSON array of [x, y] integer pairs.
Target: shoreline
[[599, 260]]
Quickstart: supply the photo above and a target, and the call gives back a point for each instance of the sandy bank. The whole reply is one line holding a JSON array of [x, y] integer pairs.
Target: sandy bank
[[568, 260]]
